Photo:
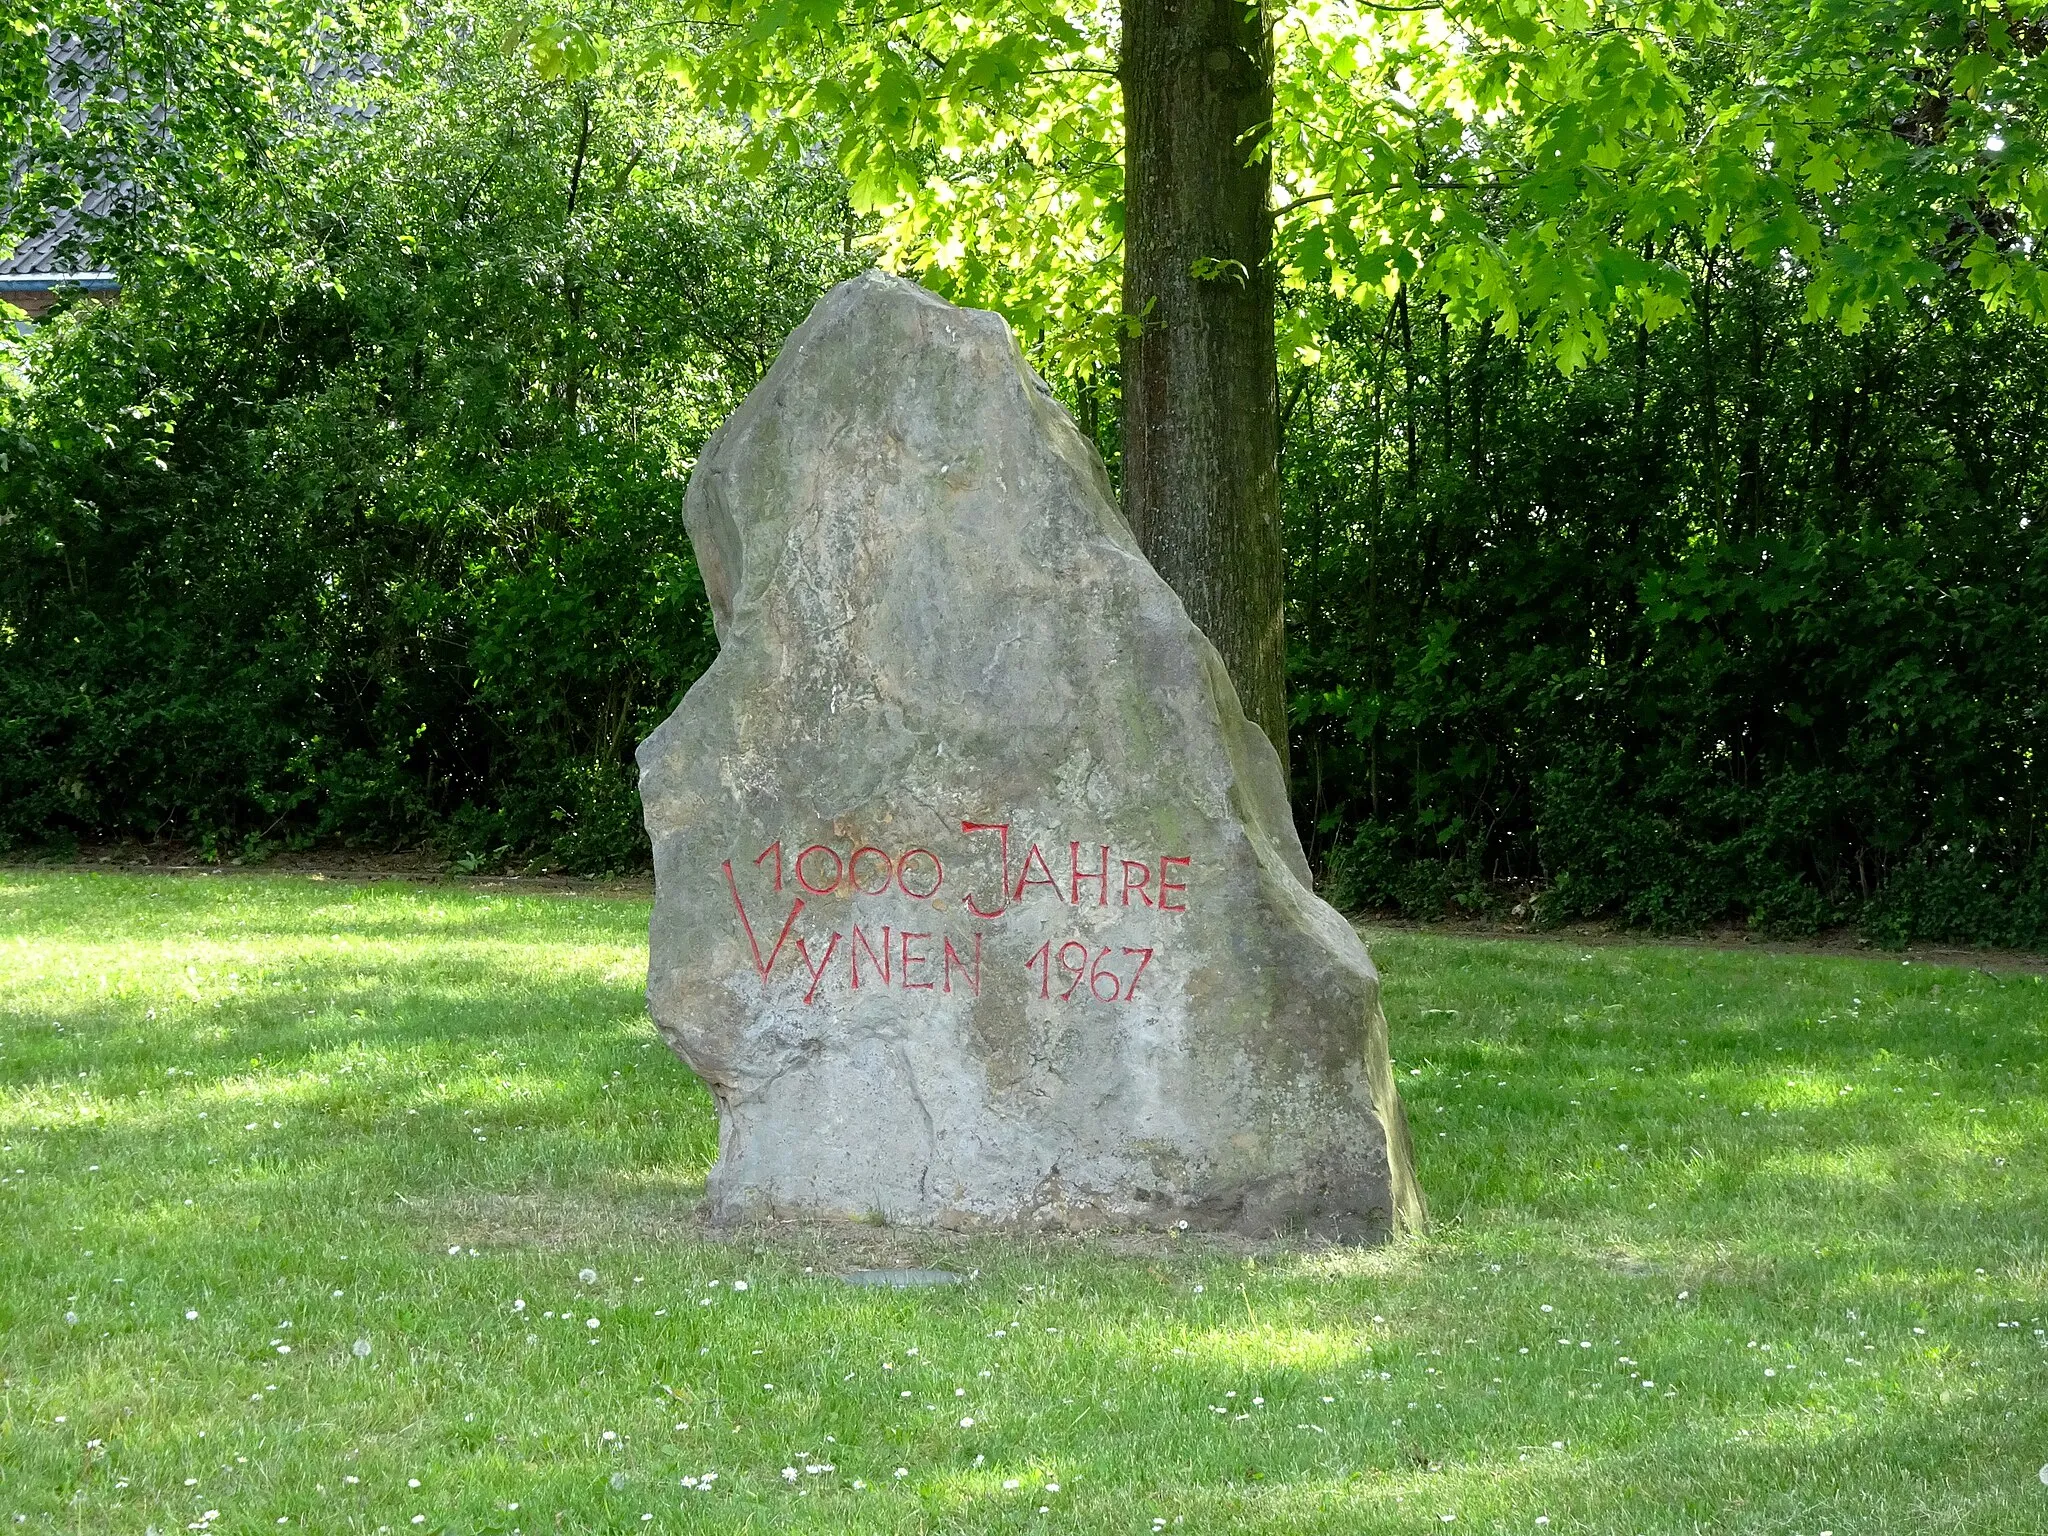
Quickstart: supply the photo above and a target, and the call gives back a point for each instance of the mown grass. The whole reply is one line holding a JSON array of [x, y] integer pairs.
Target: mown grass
[[1726, 1242]]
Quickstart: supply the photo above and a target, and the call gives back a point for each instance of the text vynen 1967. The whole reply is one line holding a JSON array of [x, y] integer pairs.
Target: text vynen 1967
[[1070, 971]]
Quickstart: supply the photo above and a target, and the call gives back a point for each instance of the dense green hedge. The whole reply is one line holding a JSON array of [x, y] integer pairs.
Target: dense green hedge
[[379, 537], [1751, 623]]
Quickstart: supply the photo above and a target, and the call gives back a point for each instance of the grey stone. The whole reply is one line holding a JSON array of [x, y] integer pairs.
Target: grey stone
[[902, 1279], [978, 901]]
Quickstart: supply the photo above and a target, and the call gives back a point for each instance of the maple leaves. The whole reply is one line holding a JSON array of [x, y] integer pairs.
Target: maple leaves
[[1557, 166]]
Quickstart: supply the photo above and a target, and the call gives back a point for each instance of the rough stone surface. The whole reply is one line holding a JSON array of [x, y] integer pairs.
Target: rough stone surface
[[978, 899]]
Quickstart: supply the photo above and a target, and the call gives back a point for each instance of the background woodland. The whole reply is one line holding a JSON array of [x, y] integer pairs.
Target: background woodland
[[358, 519]]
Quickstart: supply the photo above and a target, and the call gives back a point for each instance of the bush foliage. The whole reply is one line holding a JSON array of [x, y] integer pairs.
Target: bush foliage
[[1750, 623], [372, 532], [377, 535]]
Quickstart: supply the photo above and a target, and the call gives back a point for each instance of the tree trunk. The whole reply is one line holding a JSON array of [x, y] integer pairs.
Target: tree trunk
[[1201, 385]]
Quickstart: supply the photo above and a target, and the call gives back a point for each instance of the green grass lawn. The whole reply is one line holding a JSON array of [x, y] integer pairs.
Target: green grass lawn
[[304, 1185]]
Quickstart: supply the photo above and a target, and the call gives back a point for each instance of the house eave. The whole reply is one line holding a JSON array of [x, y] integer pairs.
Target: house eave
[[45, 282]]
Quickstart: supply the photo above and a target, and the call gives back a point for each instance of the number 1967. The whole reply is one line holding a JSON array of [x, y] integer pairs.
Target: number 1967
[[1081, 963]]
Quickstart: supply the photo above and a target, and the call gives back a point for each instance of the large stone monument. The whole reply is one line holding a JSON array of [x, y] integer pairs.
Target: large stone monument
[[978, 898]]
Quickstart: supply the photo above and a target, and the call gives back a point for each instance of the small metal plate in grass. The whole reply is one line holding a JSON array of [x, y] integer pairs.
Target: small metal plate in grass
[[901, 1278]]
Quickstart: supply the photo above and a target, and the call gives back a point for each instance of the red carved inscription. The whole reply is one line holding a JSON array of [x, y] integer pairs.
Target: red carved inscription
[[937, 874], [805, 881], [878, 959], [1075, 970], [817, 972], [952, 959], [853, 870], [907, 960], [1044, 876], [1144, 878], [1002, 869], [1100, 876], [1079, 963], [763, 966], [1166, 885]]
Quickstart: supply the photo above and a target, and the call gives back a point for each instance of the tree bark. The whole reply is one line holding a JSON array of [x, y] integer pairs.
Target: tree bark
[[1201, 383]]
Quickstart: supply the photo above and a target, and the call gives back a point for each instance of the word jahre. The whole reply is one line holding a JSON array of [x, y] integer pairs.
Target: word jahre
[[905, 960]]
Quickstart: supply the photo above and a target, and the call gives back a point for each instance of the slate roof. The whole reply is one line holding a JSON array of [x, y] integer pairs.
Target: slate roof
[[55, 256], [55, 253], [330, 70]]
